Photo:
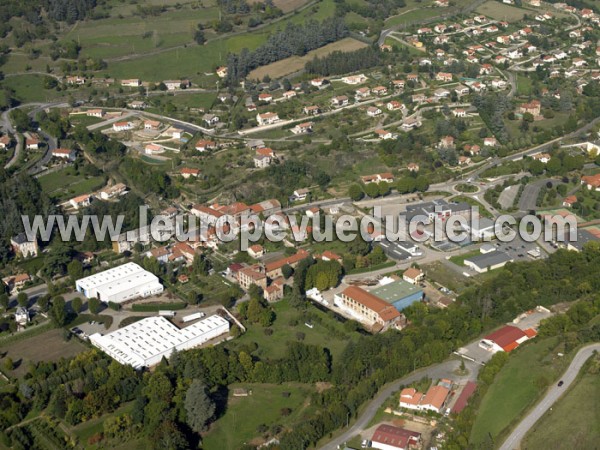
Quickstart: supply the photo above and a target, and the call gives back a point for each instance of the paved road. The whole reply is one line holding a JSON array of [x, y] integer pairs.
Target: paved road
[[514, 440], [437, 371], [528, 200]]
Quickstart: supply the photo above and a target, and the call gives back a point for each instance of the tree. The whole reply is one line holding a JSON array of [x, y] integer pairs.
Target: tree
[[8, 364], [22, 299], [94, 305], [43, 302], [287, 271], [75, 270], [4, 301], [199, 35], [199, 407], [58, 311], [355, 192], [372, 190], [406, 185], [76, 305]]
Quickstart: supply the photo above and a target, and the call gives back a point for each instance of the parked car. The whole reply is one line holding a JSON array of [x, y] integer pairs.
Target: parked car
[[560, 383]]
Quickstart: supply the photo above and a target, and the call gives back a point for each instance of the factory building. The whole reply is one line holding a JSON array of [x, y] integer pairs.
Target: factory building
[[120, 284], [146, 342]]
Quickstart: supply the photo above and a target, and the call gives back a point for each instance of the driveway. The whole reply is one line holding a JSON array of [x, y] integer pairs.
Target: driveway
[[554, 393]]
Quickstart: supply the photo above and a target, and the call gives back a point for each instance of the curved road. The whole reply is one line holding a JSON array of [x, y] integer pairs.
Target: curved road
[[514, 440], [436, 371]]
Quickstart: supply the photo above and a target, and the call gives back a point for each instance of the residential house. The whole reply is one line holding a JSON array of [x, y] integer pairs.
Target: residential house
[[187, 172], [339, 101], [413, 167], [210, 119], [265, 98], [154, 149], [379, 90], [446, 142], [267, 118], [354, 79], [411, 123], [299, 195], [95, 113], [311, 110], [4, 141], [569, 201], [131, 83], [273, 293], [122, 126], [413, 275], [363, 92], [373, 111], [464, 160], [261, 161], [151, 125], [459, 112], [32, 142], [490, 142], [289, 94], [394, 105], [388, 177], [112, 191], [303, 128], [81, 201], [541, 157], [443, 76], [591, 181], [256, 251], [274, 269], [22, 316], [64, 153], [204, 145], [222, 71], [398, 84], [384, 134], [461, 90], [24, 247]]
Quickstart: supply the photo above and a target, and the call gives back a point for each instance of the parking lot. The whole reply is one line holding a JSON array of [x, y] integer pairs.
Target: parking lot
[[517, 249], [394, 250]]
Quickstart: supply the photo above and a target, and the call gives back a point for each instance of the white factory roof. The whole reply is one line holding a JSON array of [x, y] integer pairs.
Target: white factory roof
[[153, 337], [114, 275]]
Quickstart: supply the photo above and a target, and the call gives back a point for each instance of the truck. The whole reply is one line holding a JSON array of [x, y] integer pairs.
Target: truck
[[165, 313], [198, 315]]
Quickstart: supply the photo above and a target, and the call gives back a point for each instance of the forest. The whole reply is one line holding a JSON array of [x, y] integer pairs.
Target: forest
[[91, 385], [337, 63], [19, 195], [294, 40]]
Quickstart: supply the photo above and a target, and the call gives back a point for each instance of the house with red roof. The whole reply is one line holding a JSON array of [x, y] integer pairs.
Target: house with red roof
[[388, 437], [506, 339]]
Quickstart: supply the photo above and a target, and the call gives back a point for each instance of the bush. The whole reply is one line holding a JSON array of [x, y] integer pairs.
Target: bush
[[152, 307]]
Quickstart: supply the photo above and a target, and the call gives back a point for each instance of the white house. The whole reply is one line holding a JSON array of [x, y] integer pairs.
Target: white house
[[267, 118]]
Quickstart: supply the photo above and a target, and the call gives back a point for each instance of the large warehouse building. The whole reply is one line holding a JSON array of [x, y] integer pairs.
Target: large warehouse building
[[146, 342], [398, 292], [120, 284]]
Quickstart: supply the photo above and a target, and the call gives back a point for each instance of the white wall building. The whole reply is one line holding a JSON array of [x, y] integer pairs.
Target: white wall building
[[120, 284], [146, 342]]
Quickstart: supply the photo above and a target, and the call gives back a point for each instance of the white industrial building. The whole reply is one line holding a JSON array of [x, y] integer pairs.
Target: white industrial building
[[146, 342], [120, 284]]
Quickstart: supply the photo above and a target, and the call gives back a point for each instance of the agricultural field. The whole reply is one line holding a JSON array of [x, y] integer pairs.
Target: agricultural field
[[296, 63], [195, 60], [516, 388], [265, 405], [573, 420], [286, 5], [47, 346], [501, 11]]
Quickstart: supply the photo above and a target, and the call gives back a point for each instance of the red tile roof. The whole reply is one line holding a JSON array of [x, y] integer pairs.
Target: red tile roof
[[395, 436], [463, 398], [506, 336]]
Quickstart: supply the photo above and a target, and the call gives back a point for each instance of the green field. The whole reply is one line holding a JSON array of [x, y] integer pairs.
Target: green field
[[459, 260], [284, 330], [194, 60], [30, 88], [573, 422], [516, 388], [65, 184], [244, 414]]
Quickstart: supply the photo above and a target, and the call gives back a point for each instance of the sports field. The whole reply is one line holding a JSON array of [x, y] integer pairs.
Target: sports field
[[295, 63]]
